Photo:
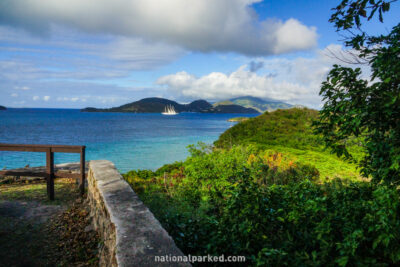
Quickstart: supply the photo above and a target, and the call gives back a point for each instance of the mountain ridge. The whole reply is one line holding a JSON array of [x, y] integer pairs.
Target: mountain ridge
[[259, 104], [157, 105]]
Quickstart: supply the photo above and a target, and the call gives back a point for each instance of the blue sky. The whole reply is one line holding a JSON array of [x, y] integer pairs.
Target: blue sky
[[105, 53]]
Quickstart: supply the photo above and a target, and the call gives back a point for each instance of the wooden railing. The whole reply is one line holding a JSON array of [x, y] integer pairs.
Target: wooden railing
[[49, 174]]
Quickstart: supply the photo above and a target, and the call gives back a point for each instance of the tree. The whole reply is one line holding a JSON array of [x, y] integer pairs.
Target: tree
[[366, 109]]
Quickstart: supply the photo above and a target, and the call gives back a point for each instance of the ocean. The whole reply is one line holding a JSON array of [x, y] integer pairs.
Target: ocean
[[131, 141]]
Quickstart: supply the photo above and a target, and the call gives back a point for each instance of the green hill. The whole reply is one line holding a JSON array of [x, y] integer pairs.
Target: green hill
[[290, 127], [146, 105], [231, 109], [260, 104], [2, 108], [149, 105], [223, 103], [246, 104], [289, 132]]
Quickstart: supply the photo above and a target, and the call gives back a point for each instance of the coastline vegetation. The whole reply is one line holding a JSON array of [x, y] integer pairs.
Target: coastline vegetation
[[276, 199], [299, 187], [260, 204]]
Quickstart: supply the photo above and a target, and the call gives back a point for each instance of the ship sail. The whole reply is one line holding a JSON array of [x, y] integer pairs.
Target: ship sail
[[169, 110]]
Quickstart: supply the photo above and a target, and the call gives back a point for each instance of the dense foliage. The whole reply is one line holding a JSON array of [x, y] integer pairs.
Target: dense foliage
[[246, 201], [291, 127], [290, 132], [357, 107]]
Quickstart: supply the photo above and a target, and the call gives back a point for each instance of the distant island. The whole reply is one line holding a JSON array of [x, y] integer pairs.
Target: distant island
[[244, 105], [2, 108], [157, 105], [261, 105]]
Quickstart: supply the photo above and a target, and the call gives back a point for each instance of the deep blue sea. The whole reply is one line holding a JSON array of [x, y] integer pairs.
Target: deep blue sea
[[131, 141]]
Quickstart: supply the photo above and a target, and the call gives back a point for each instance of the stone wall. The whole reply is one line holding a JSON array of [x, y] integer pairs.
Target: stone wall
[[132, 235]]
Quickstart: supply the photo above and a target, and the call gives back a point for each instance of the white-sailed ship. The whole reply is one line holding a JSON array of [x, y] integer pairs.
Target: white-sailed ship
[[169, 110]]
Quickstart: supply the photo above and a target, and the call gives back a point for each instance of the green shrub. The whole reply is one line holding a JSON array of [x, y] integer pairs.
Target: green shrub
[[308, 224], [274, 211], [293, 223], [209, 175], [290, 132]]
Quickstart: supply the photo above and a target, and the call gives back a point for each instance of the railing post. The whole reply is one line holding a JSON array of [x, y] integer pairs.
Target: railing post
[[50, 173], [83, 168]]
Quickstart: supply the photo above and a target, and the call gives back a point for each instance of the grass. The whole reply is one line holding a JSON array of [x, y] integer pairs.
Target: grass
[[290, 132], [65, 190], [238, 119], [328, 165]]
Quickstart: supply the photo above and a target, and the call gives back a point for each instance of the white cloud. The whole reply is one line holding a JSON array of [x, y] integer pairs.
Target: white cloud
[[221, 86], [21, 87], [45, 98], [110, 99], [292, 36], [19, 103], [72, 99], [206, 25], [99, 99], [14, 95], [296, 81]]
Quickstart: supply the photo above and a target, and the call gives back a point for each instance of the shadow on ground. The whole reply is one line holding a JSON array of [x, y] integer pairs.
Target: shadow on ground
[[38, 232]]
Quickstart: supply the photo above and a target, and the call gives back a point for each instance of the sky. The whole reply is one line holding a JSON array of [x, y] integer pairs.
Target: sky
[[105, 53]]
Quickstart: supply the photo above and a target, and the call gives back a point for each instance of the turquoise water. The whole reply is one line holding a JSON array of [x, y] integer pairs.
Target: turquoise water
[[131, 141]]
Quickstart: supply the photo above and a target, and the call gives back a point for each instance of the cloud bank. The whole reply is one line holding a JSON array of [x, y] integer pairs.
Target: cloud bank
[[206, 25], [82, 56], [242, 82], [296, 81]]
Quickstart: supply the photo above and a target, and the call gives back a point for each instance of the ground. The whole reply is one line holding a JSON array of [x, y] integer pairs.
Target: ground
[[37, 232]]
